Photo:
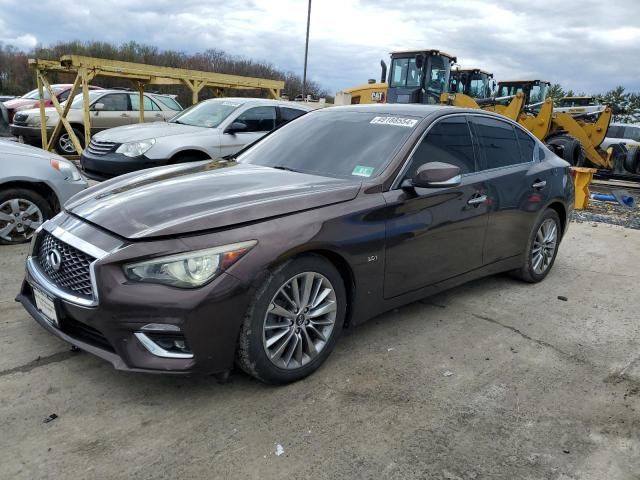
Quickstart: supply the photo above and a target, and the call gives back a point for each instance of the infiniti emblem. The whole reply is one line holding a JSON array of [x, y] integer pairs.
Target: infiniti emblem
[[54, 259]]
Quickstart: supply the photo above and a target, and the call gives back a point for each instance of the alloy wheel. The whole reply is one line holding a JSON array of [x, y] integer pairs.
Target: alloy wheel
[[299, 320], [65, 143], [544, 246], [19, 219]]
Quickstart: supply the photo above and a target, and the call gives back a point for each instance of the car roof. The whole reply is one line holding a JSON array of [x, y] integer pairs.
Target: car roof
[[415, 110], [262, 101]]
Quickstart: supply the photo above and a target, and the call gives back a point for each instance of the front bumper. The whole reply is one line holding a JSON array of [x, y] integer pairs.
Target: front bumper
[[31, 135], [109, 165], [209, 318]]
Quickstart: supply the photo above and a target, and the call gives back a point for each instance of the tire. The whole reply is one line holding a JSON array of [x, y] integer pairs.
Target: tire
[[288, 339], [32, 210], [528, 272], [572, 150], [632, 160], [64, 145]]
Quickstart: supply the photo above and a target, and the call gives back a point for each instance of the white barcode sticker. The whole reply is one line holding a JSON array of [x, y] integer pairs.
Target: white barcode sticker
[[396, 121], [230, 104]]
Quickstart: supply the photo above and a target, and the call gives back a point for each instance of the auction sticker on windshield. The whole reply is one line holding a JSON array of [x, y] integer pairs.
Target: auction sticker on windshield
[[361, 171], [396, 121], [230, 104]]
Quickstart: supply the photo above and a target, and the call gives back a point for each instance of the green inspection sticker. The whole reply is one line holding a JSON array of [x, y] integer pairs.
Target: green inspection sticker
[[361, 171]]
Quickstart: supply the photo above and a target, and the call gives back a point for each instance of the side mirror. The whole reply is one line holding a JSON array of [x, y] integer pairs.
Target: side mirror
[[435, 175], [236, 127], [98, 106], [419, 61]]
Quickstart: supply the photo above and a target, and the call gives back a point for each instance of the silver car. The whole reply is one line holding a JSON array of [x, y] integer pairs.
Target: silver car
[[34, 184], [209, 129]]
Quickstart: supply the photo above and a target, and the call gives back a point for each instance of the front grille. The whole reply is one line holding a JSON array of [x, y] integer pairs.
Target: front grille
[[73, 273], [85, 333], [97, 147]]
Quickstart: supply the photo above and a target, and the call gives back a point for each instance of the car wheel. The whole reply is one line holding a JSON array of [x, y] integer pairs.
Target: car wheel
[[293, 321], [64, 145], [632, 160], [22, 211], [572, 150], [542, 248]]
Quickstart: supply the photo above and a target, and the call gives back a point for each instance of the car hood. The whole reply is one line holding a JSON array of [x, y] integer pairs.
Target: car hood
[[10, 148], [208, 195], [144, 131], [20, 102]]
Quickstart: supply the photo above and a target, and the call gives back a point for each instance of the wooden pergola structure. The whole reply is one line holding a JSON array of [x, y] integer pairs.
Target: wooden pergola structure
[[86, 69]]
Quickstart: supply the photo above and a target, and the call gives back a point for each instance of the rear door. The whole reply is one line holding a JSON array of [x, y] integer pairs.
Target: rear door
[[516, 182], [259, 121], [152, 112], [436, 233], [116, 112]]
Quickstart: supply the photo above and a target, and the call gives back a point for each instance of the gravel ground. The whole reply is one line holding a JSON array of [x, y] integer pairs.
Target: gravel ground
[[611, 213]]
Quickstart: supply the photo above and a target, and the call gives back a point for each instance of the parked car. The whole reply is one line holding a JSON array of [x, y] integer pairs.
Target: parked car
[[627, 134], [210, 129], [262, 259], [108, 108], [33, 186], [32, 99]]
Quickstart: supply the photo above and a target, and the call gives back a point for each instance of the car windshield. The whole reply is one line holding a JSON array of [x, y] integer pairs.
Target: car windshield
[[33, 94], [207, 114], [334, 143], [78, 100]]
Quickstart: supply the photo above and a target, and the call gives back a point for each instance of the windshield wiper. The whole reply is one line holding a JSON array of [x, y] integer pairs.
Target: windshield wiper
[[288, 169]]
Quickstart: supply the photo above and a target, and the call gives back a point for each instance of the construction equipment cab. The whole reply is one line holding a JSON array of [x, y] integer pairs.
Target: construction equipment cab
[[474, 82], [419, 76], [578, 105], [534, 91]]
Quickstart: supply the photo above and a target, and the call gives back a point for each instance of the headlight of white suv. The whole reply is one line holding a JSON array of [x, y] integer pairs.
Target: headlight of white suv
[[135, 149], [188, 270], [66, 168]]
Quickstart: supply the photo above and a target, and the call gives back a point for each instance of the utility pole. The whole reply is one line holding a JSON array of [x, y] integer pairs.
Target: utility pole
[[306, 52]]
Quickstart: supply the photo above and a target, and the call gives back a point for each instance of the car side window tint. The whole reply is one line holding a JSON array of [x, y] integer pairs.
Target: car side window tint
[[258, 119], [288, 114], [527, 146], [64, 95], [615, 131], [448, 141], [149, 105], [114, 102], [497, 141]]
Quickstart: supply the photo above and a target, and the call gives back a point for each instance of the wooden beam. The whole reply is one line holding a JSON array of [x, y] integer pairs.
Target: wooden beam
[[58, 127], [65, 122], [43, 122], [85, 106]]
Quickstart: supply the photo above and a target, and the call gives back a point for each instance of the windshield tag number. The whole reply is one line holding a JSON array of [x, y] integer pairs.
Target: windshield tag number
[[395, 121]]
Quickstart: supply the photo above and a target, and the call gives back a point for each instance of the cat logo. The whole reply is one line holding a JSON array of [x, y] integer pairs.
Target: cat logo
[[377, 96]]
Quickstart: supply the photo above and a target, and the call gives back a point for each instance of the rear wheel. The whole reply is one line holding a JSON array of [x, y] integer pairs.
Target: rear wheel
[[64, 145], [542, 248], [22, 211], [571, 149], [293, 322]]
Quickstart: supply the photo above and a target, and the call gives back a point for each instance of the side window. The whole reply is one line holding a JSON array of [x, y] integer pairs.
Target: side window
[[288, 114], [114, 102], [149, 105], [527, 146], [64, 95], [258, 119], [448, 141], [497, 141], [615, 131]]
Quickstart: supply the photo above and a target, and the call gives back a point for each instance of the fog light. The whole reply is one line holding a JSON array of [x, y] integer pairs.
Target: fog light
[[166, 345]]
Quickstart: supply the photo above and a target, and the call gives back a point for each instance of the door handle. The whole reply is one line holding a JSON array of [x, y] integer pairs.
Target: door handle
[[124, 115], [539, 184], [477, 200]]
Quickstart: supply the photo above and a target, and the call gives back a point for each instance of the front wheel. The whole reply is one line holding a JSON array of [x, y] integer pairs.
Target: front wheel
[[542, 248], [22, 211], [293, 322]]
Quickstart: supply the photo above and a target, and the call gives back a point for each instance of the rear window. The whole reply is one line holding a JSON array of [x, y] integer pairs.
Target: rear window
[[498, 143], [615, 131], [169, 103], [527, 146], [288, 114]]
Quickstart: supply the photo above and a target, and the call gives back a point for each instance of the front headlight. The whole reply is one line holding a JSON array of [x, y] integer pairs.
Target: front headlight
[[188, 270], [66, 168], [135, 149]]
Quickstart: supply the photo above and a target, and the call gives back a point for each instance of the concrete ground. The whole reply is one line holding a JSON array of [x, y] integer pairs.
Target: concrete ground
[[496, 379]]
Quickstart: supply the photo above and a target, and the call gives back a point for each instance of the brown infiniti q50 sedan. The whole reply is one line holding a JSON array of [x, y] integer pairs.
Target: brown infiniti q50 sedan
[[262, 259]]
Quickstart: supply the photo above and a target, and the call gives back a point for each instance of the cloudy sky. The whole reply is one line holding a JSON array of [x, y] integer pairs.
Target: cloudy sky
[[584, 45]]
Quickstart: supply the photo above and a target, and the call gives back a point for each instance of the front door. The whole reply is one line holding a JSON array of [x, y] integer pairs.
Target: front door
[[258, 120], [433, 234], [116, 111]]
